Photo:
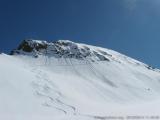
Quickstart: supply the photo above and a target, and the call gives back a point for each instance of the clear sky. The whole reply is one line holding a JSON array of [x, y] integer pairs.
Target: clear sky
[[131, 27]]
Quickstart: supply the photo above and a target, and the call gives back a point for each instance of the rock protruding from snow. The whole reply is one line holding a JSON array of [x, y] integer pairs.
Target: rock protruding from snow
[[59, 49]]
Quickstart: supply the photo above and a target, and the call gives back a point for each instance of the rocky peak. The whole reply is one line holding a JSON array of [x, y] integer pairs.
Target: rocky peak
[[58, 49]]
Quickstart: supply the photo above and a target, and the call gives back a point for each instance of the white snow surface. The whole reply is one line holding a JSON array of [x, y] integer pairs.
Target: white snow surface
[[51, 88]]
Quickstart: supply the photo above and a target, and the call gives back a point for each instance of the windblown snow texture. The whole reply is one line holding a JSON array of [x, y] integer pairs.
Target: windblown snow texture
[[66, 80]]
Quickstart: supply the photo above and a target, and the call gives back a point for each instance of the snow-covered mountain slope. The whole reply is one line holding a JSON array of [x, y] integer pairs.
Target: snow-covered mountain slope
[[64, 80]]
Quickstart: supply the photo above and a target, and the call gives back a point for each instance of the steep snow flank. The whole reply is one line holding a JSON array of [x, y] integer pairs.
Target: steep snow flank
[[57, 86]]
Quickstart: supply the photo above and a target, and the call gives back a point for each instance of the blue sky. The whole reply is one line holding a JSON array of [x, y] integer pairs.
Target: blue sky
[[131, 27]]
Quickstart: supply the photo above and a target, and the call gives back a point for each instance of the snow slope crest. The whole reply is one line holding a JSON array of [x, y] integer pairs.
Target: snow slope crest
[[68, 49]]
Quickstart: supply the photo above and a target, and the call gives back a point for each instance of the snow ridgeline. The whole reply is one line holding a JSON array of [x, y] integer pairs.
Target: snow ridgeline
[[68, 49]]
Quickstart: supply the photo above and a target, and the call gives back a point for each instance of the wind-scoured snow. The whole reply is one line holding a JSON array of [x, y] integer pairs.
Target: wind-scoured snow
[[64, 80]]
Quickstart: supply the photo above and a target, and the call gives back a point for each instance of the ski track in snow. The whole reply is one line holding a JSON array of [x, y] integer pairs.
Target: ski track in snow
[[43, 89]]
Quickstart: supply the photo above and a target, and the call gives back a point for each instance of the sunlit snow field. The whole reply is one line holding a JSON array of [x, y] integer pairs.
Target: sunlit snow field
[[48, 88]]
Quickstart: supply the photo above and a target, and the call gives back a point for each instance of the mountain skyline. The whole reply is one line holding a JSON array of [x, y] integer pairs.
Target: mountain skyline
[[128, 26]]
